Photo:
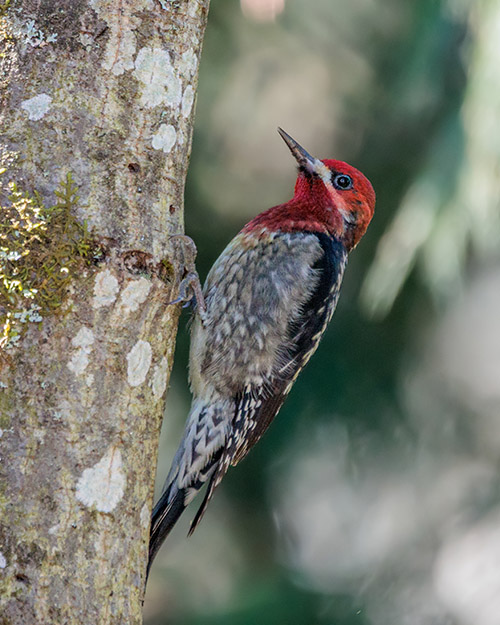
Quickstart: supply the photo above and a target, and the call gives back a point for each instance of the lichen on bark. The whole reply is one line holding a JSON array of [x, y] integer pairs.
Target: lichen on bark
[[101, 91]]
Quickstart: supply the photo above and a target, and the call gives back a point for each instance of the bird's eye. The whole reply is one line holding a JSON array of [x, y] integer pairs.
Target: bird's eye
[[342, 181]]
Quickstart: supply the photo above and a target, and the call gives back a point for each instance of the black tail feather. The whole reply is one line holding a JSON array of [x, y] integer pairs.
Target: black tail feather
[[164, 517], [203, 507], [211, 472], [166, 513]]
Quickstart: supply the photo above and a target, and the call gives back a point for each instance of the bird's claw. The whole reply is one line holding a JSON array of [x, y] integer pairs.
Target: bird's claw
[[190, 286]]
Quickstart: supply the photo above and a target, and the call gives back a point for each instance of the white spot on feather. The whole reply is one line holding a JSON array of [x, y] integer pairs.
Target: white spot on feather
[[3, 561], [165, 138], [102, 486], [37, 106], [139, 361], [105, 289]]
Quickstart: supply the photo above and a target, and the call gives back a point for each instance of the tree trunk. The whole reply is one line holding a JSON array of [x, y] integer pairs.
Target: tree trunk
[[96, 125]]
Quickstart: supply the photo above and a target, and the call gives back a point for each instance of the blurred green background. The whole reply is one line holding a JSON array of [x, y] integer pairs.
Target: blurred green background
[[374, 497]]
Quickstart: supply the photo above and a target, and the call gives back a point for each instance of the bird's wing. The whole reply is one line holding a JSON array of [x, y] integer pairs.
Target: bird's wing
[[257, 406]]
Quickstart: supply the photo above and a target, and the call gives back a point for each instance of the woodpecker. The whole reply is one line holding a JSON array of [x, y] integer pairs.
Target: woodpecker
[[264, 307]]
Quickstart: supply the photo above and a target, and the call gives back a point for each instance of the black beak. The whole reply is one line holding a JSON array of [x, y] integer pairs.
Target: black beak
[[303, 158]]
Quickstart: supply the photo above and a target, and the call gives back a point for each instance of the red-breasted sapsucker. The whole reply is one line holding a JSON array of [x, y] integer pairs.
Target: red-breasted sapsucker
[[267, 301]]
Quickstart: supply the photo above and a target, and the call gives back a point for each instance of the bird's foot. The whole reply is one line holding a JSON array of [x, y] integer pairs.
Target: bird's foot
[[190, 286]]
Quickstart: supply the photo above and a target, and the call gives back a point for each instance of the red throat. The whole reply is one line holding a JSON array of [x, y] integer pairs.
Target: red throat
[[309, 210]]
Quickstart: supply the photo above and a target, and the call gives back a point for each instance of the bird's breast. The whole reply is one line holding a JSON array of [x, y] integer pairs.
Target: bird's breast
[[255, 290]]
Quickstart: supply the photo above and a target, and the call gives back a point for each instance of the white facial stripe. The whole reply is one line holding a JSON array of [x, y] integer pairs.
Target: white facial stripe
[[322, 171], [326, 176], [338, 201], [348, 216]]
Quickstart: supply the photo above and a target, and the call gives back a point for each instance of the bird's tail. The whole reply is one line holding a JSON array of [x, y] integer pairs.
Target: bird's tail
[[174, 501], [164, 517], [195, 463]]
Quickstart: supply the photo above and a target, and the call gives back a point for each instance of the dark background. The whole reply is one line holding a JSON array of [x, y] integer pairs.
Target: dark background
[[374, 497]]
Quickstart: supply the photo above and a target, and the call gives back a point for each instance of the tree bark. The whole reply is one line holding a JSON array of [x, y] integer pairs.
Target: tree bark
[[101, 91]]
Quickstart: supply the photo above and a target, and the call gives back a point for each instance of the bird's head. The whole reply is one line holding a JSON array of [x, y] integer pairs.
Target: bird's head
[[332, 195]]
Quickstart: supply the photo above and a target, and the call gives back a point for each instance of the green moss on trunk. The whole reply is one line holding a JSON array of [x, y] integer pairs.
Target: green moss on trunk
[[41, 250]]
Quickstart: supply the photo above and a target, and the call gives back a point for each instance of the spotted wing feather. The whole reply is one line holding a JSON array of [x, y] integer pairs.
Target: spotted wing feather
[[257, 406]]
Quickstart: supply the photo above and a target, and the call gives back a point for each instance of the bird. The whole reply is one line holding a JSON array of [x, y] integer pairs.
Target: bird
[[260, 316]]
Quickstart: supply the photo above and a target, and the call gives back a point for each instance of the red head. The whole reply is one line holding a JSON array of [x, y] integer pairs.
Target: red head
[[330, 196]]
